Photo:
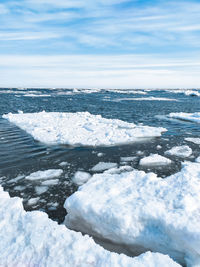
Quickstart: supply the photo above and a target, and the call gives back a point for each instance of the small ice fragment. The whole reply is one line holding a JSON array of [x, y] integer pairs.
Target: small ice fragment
[[159, 147], [127, 158], [50, 182], [102, 166], [119, 170], [40, 189], [62, 164], [198, 159], [155, 160], [15, 180], [81, 177], [100, 154], [33, 201], [180, 151], [193, 140], [48, 174], [19, 188]]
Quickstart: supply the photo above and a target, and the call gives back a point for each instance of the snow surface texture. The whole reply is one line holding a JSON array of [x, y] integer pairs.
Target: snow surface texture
[[180, 151], [139, 210], [30, 239], [81, 128], [193, 117], [43, 175], [155, 160]]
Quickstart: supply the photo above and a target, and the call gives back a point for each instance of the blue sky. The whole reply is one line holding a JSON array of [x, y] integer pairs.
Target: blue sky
[[104, 43]]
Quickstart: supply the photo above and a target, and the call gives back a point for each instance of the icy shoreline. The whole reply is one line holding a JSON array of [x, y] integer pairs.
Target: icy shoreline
[[32, 239]]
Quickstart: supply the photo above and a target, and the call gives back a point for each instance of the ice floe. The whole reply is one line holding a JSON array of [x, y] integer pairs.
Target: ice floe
[[141, 211], [32, 239], [102, 166], [194, 140], [42, 175], [125, 159], [154, 160], [179, 151], [81, 128], [151, 98], [81, 177], [193, 117]]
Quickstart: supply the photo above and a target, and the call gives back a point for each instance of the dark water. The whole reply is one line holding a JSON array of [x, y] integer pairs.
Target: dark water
[[20, 155]]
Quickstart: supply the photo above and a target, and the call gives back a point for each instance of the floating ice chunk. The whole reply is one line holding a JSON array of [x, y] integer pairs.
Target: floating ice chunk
[[32, 239], [198, 159], [50, 182], [15, 180], [193, 117], [41, 189], [151, 98], [100, 154], [81, 177], [121, 169], [47, 174], [33, 201], [180, 151], [194, 140], [155, 160], [102, 166], [19, 188], [64, 163], [127, 158], [140, 210], [81, 128], [192, 93]]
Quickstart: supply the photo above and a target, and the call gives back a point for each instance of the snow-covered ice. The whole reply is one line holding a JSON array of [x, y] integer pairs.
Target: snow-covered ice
[[102, 166], [140, 210], [155, 160], [194, 140], [42, 175], [81, 177], [32, 239], [81, 128], [193, 117], [179, 151]]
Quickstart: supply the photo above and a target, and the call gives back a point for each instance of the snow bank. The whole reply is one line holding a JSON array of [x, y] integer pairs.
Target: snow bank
[[193, 117], [32, 239], [42, 175], [139, 210], [81, 128], [180, 151], [155, 160]]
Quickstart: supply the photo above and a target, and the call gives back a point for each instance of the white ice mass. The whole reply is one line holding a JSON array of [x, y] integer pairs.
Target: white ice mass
[[32, 239], [102, 166], [81, 177], [81, 128], [155, 160], [142, 211], [180, 151], [194, 140], [43, 175], [193, 117]]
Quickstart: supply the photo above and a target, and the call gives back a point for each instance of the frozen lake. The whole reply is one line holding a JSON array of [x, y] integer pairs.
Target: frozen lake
[[21, 155]]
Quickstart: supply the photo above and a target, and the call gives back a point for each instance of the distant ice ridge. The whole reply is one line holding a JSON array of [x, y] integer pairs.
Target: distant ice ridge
[[32, 239], [155, 160], [194, 117], [151, 98], [81, 128], [138, 210]]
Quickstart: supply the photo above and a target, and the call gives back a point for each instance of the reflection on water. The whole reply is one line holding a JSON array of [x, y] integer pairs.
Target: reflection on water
[[20, 155]]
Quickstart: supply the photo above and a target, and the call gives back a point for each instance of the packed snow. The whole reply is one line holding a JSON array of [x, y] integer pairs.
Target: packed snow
[[81, 177], [42, 175], [139, 210], [194, 140], [154, 160], [193, 117], [81, 128], [32, 239], [102, 166], [180, 151]]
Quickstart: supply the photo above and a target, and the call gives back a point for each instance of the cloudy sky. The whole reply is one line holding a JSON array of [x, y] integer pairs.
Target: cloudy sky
[[100, 43]]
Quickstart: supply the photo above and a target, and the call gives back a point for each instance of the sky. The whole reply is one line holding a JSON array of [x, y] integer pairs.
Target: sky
[[100, 43]]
